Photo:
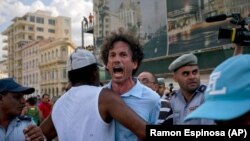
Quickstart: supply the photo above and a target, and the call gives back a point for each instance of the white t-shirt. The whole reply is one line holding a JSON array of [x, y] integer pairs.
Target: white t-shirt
[[76, 116]]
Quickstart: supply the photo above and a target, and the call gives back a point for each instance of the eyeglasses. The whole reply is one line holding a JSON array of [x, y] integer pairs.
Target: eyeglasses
[[146, 81]]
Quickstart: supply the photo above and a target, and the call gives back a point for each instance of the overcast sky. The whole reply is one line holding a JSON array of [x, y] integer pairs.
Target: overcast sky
[[75, 9]]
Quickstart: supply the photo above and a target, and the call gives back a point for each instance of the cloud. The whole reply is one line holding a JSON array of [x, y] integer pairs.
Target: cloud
[[75, 9]]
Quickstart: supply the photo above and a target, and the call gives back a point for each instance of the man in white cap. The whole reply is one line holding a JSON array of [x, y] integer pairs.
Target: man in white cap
[[191, 93], [227, 98], [86, 111]]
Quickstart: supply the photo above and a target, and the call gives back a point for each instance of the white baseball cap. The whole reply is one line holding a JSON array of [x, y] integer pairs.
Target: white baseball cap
[[80, 58]]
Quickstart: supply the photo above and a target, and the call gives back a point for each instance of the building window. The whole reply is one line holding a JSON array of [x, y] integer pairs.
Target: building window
[[66, 31], [51, 31], [40, 29], [40, 20], [30, 37], [52, 22], [31, 28], [40, 37], [32, 18], [64, 73]]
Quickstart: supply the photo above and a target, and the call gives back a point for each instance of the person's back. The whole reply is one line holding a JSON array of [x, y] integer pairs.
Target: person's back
[[86, 119]]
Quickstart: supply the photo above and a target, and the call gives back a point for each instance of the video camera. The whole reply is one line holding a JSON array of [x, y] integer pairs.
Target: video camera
[[171, 87], [239, 35]]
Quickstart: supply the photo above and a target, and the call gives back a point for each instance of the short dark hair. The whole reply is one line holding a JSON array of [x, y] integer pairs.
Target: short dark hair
[[84, 75], [133, 42], [31, 101], [45, 95]]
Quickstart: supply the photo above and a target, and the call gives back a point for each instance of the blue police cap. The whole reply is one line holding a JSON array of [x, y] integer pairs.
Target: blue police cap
[[9, 85]]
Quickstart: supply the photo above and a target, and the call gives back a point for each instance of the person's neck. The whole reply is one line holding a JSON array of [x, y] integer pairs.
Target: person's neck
[[122, 87], [187, 95]]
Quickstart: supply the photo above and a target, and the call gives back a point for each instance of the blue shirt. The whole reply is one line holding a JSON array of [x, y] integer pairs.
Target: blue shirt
[[15, 130], [145, 102], [181, 108]]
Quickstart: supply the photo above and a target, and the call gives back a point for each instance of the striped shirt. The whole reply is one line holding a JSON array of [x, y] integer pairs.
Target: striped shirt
[[15, 130], [165, 116]]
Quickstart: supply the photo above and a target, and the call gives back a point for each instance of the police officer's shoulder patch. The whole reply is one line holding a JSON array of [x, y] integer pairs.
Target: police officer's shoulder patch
[[202, 88], [24, 118]]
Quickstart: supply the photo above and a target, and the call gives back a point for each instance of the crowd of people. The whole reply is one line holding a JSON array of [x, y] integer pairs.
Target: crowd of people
[[121, 109]]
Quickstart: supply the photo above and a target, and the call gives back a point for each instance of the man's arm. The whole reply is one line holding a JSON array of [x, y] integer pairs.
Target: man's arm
[[111, 105], [48, 128], [33, 133], [238, 49]]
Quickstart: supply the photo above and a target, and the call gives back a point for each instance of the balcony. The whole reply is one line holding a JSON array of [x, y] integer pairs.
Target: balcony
[[53, 61], [5, 47], [5, 56], [24, 31], [23, 22], [5, 40]]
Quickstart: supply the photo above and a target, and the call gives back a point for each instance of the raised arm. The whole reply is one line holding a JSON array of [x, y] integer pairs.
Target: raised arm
[[238, 49]]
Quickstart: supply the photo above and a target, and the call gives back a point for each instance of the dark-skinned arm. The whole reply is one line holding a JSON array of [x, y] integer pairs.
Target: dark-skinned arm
[[116, 108], [48, 128]]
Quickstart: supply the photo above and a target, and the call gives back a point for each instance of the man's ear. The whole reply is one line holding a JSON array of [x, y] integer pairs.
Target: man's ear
[[157, 86], [1, 97], [175, 78]]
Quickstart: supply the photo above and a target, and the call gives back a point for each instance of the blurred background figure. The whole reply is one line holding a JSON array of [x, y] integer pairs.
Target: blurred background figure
[[86, 23], [31, 109], [162, 89], [45, 106], [150, 80], [91, 19]]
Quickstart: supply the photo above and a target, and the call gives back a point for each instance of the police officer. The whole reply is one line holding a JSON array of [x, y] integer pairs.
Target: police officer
[[12, 102], [191, 93]]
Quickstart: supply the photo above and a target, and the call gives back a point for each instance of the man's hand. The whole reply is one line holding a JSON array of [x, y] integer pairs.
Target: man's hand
[[33, 133]]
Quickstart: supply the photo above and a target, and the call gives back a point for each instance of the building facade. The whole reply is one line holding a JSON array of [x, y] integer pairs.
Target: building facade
[[53, 66], [31, 27], [3, 70]]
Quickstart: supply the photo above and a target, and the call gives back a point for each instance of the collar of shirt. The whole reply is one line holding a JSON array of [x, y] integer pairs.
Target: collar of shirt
[[200, 89], [135, 91]]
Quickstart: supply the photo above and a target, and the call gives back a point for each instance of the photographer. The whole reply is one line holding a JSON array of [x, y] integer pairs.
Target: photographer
[[238, 49]]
